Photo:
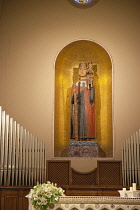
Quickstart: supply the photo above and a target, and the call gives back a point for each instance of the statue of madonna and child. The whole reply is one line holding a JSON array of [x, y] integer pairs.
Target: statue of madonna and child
[[83, 125], [83, 119]]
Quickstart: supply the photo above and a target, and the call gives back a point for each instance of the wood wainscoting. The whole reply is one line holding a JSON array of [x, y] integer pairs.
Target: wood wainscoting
[[13, 198], [105, 180]]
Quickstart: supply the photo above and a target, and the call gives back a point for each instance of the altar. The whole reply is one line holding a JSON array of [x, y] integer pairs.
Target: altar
[[94, 203]]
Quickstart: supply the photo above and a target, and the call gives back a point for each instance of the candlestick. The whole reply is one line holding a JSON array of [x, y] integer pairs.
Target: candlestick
[[124, 189], [134, 186], [131, 188]]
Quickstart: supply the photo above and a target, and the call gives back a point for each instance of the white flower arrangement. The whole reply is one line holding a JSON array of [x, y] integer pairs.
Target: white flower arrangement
[[42, 195]]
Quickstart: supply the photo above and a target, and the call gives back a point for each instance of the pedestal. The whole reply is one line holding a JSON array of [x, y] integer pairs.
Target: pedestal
[[83, 149]]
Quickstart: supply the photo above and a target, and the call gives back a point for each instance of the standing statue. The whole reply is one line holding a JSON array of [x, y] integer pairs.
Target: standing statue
[[83, 122]]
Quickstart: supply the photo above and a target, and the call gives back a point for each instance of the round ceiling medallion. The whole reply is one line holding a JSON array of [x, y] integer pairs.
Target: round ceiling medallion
[[83, 3]]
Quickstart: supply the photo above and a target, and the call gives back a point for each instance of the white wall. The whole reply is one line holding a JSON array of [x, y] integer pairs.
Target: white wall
[[32, 32]]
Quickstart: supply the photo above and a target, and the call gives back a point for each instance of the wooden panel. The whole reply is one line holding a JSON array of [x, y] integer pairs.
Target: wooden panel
[[11, 203], [23, 201], [109, 172], [87, 178], [58, 172], [91, 190], [9, 200], [13, 198]]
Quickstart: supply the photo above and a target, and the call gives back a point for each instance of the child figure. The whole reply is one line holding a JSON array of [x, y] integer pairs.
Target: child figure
[[90, 74]]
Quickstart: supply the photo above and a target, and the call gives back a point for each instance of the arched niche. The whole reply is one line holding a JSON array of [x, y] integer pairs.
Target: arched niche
[[67, 60]]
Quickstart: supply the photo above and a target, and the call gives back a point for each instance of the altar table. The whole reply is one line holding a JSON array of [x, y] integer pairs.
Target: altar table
[[94, 203]]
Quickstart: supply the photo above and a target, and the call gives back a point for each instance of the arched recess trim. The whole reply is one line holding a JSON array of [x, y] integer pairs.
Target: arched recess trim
[[67, 60]]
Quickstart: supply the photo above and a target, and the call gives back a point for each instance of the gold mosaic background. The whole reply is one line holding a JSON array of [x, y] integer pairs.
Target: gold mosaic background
[[68, 59]]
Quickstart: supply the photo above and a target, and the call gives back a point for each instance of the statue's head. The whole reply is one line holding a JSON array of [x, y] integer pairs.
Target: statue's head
[[83, 65], [82, 69], [90, 64]]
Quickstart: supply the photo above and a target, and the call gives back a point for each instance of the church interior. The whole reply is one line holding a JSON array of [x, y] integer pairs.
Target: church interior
[[42, 43]]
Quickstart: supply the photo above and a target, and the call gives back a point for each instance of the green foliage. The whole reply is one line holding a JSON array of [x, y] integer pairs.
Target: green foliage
[[42, 195]]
